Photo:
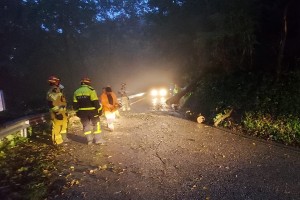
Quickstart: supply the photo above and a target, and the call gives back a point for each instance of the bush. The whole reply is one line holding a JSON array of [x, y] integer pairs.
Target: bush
[[262, 104], [284, 129], [26, 165]]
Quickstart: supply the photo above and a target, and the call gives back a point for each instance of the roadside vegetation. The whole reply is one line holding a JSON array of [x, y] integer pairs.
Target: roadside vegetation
[[261, 104], [27, 165], [246, 52]]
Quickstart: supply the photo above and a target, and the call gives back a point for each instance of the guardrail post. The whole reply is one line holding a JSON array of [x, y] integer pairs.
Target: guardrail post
[[24, 130]]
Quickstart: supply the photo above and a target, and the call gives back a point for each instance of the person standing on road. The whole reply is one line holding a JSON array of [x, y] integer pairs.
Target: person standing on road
[[57, 105], [88, 109], [110, 106], [124, 98], [176, 89]]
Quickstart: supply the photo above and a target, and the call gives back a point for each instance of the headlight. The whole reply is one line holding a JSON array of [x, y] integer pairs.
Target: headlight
[[154, 93], [163, 92]]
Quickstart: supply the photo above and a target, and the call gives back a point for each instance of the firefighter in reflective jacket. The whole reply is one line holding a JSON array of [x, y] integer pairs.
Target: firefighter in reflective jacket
[[57, 105], [88, 109]]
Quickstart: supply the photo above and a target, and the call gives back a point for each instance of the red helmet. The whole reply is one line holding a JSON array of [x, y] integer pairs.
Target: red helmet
[[86, 81], [53, 80]]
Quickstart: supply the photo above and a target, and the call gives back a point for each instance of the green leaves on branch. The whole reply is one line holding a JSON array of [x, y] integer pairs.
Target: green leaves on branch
[[11, 141]]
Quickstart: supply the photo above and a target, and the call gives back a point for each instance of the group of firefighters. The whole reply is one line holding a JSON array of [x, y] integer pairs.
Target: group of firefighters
[[88, 107]]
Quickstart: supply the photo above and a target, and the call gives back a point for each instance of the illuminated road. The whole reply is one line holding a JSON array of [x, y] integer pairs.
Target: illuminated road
[[151, 155], [146, 103]]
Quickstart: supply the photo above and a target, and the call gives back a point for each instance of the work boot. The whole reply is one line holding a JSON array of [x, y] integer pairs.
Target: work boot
[[89, 139], [98, 139], [111, 126], [101, 142], [65, 138]]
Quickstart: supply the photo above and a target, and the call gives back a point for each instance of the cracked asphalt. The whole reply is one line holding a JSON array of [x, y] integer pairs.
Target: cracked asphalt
[[159, 155]]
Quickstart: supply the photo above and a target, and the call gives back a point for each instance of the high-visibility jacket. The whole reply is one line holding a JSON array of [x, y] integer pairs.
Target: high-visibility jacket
[[107, 105], [56, 99], [85, 98], [57, 104]]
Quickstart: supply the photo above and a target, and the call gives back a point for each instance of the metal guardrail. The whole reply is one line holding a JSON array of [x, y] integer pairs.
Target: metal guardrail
[[21, 125]]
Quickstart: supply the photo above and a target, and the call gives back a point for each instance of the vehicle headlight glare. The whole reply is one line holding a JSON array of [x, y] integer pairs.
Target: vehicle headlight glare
[[163, 92], [154, 92]]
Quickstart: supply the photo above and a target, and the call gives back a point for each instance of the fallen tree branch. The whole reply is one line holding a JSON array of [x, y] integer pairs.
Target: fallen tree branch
[[176, 98], [227, 114]]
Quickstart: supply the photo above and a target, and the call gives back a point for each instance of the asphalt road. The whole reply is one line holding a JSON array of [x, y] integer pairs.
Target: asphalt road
[[158, 155]]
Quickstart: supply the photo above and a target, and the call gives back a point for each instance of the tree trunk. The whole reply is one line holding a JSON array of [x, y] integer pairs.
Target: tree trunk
[[283, 39], [176, 98]]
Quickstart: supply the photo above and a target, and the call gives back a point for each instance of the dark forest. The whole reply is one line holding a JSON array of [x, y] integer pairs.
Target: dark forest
[[243, 54]]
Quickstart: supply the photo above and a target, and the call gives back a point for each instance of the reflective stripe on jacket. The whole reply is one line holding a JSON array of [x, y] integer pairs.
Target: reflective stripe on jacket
[[85, 98], [56, 99]]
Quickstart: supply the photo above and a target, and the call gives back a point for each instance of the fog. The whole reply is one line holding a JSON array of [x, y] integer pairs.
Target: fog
[[138, 78]]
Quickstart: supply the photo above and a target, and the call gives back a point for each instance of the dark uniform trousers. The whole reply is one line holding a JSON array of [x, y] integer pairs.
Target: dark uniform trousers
[[91, 123]]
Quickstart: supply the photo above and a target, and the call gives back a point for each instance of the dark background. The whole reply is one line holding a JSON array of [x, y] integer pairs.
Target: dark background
[[140, 43]]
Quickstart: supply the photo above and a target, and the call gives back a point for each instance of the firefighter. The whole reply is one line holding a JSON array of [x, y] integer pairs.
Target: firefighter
[[110, 106], [57, 105], [176, 89], [88, 109], [124, 97]]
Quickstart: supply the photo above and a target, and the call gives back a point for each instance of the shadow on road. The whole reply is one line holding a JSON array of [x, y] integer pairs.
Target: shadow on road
[[77, 138]]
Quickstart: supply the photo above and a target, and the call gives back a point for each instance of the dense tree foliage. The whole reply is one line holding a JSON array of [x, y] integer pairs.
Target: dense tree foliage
[[241, 56], [115, 41]]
